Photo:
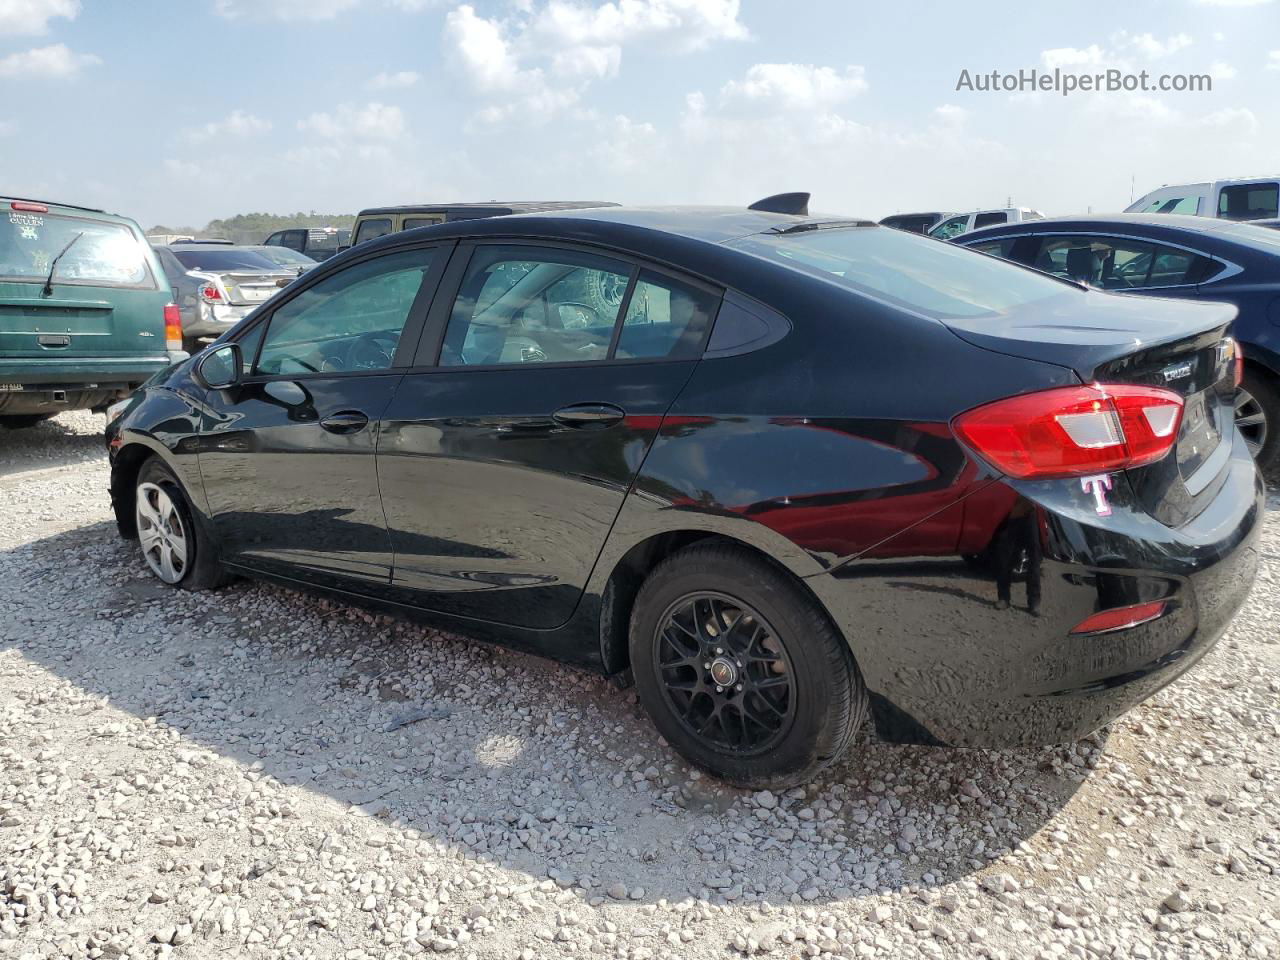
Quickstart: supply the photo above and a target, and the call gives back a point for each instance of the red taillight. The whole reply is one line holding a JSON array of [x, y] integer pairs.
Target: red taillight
[[1071, 431], [29, 207], [1121, 618], [210, 294], [172, 327]]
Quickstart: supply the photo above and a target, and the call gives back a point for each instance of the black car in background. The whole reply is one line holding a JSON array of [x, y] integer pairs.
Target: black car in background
[[1166, 255], [802, 470], [915, 222], [318, 243]]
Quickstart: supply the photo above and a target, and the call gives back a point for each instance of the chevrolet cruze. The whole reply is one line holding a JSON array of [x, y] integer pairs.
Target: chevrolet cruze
[[781, 470]]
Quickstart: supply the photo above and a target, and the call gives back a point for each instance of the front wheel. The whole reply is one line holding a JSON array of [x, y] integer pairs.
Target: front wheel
[[1258, 417], [741, 671], [172, 542]]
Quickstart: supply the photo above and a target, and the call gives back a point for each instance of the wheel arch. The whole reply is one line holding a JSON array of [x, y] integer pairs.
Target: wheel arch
[[628, 573], [126, 463]]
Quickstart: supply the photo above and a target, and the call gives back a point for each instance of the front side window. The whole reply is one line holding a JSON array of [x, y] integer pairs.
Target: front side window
[[522, 304], [349, 321], [665, 318], [372, 229], [951, 227], [936, 279], [411, 223], [1249, 201], [1119, 264], [93, 251]]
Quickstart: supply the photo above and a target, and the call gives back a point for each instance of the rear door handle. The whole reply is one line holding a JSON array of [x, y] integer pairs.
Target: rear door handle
[[589, 415], [346, 421]]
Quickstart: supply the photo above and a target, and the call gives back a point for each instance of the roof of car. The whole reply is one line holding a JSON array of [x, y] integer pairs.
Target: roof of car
[[712, 224], [59, 204], [1175, 221], [515, 206]]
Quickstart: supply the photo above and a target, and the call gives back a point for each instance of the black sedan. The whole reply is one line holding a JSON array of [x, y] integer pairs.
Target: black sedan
[[1163, 255], [799, 470]]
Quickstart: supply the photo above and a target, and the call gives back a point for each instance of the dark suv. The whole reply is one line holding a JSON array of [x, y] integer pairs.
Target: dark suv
[[318, 243]]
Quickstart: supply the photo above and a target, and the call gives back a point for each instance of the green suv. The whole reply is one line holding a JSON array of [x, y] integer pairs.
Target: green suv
[[86, 314]]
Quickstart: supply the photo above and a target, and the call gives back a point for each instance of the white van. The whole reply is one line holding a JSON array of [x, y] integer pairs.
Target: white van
[[960, 223], [1256, 198]]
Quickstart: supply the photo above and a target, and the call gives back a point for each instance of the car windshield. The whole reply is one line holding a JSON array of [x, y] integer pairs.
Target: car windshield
[[107, 254], [287, 257], [222, 258], [322, 240], [928, 276]]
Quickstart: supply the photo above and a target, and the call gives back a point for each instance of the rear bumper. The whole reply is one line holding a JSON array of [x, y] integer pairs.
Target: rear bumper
[[978, 650], [44, 385], [213, 320]]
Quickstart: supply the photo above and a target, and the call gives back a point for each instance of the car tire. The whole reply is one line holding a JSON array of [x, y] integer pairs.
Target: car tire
[[740, 669], [1258, 416], [173, 543]]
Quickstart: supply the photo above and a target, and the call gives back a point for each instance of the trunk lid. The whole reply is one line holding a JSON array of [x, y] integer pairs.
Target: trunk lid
[[251, 287], [1177, 345]]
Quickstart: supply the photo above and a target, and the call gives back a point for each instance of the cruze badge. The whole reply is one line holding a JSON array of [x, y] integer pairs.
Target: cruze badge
[[1178, 371], [1098, 485]]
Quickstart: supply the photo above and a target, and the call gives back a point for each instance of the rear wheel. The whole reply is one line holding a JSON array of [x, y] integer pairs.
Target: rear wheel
[[1258, 416], [741, 671], [20, 421], [173, 544]]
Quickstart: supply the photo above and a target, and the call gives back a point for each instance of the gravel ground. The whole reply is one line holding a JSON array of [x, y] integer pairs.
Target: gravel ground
[[256, 773]]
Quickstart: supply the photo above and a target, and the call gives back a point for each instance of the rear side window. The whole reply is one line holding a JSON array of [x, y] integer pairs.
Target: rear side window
[[995, 248], [1121, 264], [94, 252], [989, 220], [665, 318], [372, 229], [523, 304], [411, 223], [1250, 201], [936, 279]]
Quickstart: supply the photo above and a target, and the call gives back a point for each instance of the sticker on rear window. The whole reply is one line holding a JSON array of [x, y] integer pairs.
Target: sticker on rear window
[[28, 224]]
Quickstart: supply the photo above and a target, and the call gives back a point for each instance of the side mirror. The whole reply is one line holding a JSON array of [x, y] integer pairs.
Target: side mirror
[[219, 368]]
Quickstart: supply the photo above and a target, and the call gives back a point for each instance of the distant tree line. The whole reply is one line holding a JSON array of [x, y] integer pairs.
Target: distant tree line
[[254, 227]]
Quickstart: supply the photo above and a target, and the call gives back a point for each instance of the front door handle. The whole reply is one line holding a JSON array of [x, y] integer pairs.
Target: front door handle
[[589, 415], [346, 421]]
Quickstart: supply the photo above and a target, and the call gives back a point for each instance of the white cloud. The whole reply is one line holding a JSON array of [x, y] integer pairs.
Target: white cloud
[[372, 121], [542, 58], [393, 81], [1233, 121], [1154, 49], [6, 128], [1222, 71], [797, 86], [1232, 3], [293, 10], [31, 17], [1091, 55], [236, 124], [52, 62], [1273, 60]]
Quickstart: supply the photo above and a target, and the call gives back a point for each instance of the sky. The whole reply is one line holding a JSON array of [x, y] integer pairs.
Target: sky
[[180, 111]]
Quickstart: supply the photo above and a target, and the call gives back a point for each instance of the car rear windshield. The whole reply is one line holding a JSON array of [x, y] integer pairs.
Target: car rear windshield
[[100, 253], [285, 255], [223, 259], [321, 241], [928, 276]]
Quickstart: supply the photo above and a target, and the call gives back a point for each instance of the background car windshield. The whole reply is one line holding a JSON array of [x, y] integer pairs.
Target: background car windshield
[[106, 253], [936, 279], [223, 260]]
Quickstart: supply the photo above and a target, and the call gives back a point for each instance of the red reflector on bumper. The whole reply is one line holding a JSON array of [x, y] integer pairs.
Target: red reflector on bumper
[[1121, 618]]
